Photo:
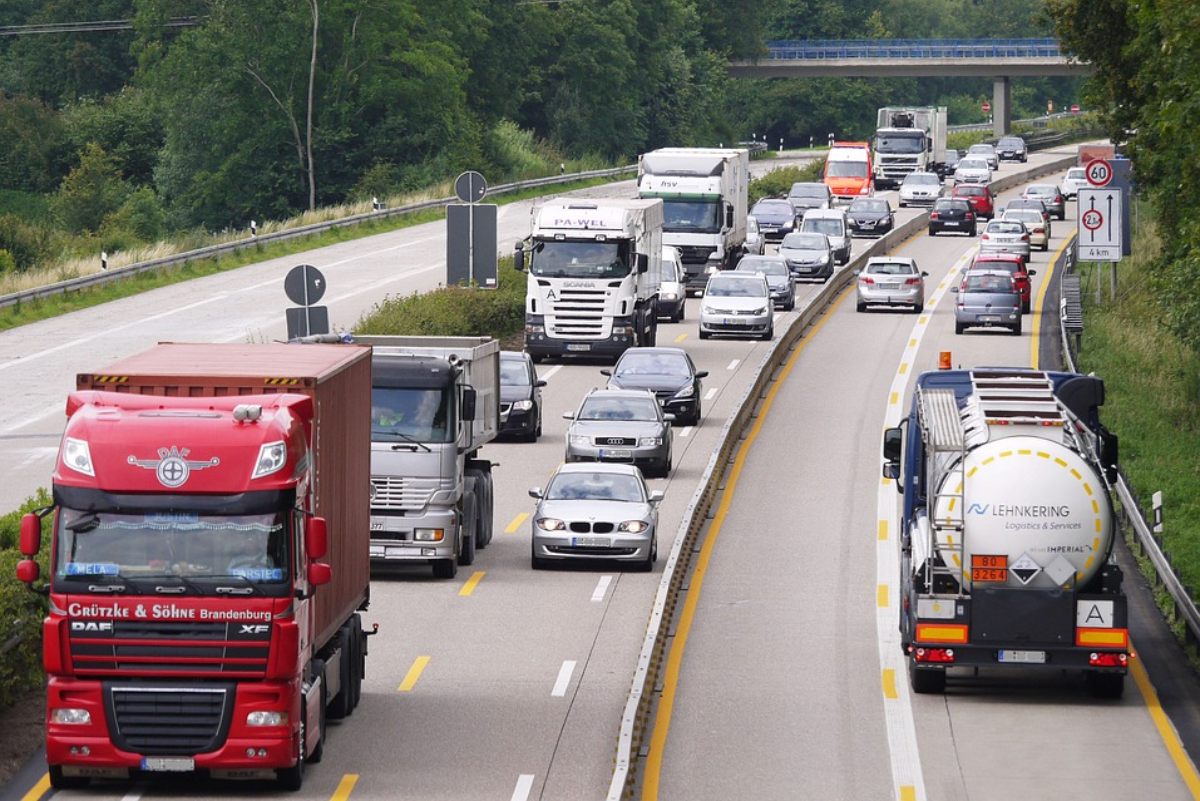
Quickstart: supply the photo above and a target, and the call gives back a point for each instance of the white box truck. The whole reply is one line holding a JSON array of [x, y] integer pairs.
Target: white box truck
[[594, 270], [908, 140], [435, 401], [705, 194]]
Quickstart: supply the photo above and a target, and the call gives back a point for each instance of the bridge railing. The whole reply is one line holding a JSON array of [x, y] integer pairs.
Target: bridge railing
[[826, 49]]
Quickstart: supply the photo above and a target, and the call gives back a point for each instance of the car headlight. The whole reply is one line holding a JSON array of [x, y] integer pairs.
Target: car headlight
[[823, 259], [579, 439], [265, 718], [551, 524], [645, 441], [686, 392], [523, 405], [633, 526], [760, 310], [428, 534]]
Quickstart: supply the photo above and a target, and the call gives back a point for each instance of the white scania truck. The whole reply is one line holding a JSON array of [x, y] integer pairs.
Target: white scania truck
[[1007, 528], [705, 193], [908, 140], [594, 270]]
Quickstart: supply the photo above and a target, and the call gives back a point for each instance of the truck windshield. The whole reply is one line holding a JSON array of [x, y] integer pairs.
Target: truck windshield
[[404, 414], [107, 547], [900, 143], [566, 259], [846, 169], [701, 216]]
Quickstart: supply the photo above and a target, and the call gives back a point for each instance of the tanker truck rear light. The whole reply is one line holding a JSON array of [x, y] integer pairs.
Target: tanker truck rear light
[[1102, 638], [1108, 660], [942, 632], [943, 655]]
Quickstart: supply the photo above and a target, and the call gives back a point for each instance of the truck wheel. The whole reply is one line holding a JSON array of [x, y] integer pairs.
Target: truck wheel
[[926, 680], [358, 663], [60, 782], [1105, 685], [445, 568], [292, 779]]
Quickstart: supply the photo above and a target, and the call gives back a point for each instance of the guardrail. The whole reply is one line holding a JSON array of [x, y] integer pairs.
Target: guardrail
[[824, 49], [97, 279], [1036, 122], [640, 702], [1131, 509]]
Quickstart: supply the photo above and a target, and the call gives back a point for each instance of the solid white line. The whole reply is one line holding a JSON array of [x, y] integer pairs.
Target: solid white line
[[524, 785], [685, 432], [777, 316], [546, 375], [133, 795], [712, 393], [564, 679], [601, 589], [733, 364]]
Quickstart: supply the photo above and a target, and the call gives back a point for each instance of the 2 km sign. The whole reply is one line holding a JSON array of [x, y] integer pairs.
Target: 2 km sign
[[1099, 224]]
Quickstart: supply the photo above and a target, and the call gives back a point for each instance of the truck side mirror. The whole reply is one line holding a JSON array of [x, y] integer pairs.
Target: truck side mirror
[[468, 403], [31, 534], [519, 258], [643, 262], [28, 571], [728, 215], [316, 538], [1109, 452], [319, 573], [893, 444]]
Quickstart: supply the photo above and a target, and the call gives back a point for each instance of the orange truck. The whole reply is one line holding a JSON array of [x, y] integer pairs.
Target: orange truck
[[848, 172]]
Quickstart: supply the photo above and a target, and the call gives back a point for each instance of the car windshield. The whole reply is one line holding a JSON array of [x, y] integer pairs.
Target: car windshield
[[407, 414], [1024, 215], [984, 282], [595, 487], [824, 225], [1041, 189], [972, 164], [971, 191], [98, 546], [1010, 142], [672, 364], [809, 190], [951, 205], [764, 266], [803, 241], [773, 208], [1076, 174], [565, 259], [692, 215], [890, 268], [514, 373], [846, 169], [999, 264], [868, 204], [988, 149], [730, 287], [922, 179], [611, 408], [1005, 227], [900, 143]]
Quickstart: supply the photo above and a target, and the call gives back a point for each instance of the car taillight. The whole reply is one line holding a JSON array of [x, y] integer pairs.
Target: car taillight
[[985, 236], [1024, 237], [969, 216], [933, 215], [912, 282], [866, 280]]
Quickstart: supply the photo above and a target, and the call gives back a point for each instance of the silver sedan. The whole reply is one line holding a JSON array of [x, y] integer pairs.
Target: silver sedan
[[595, 511], [621, 425]]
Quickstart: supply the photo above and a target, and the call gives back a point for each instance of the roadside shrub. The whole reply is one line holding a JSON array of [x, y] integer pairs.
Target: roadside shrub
[[142, 215], [777, 182], [90, 192], [21, 611], [28, 244], [7, 263], [515, 152]]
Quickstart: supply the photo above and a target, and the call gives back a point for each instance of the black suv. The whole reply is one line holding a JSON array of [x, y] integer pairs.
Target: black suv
[[1012, 148], [952, 214]]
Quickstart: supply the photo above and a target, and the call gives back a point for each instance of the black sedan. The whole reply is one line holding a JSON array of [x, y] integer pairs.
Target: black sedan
[[520, 397], [952, 214], [776, 218], [869, 216], [667, 372]]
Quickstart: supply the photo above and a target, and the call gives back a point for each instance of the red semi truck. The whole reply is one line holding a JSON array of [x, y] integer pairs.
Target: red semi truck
[[210, 561]]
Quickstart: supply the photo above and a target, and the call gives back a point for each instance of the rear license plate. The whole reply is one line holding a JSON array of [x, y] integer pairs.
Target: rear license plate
[[889, 286], [989, 318], [952, 222], [1025, 657], [168, 764], [579, 346], [616, 453], [592, 542]]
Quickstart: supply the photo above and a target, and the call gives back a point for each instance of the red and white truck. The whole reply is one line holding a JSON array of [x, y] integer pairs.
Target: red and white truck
[[210, 561]]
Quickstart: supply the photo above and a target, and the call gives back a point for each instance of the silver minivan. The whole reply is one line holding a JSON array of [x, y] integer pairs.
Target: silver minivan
[[832, 223], [672, 287]]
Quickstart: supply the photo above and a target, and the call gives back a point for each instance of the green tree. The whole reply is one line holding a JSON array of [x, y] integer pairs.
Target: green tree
[[35, 149], [90, 192], [126, 125]]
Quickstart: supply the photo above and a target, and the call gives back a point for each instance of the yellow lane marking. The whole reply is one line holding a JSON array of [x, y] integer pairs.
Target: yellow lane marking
[[666, 704], [912, 343], [1035, 329], [681, 337], [883, 530], [1170, 738], [414, 673], [472, 583], [345, 787], [889, 684], [903, 368], [908, 793], [881, 596], [894, 398], [516, 523], [38, 790]]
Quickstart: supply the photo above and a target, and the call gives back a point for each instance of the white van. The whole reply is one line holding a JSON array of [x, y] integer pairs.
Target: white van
[[672, 288], [832, 223]]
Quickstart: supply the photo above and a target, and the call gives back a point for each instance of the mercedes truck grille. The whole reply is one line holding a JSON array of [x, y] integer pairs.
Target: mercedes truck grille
[[168, 720], [151, 648], [397, 492]]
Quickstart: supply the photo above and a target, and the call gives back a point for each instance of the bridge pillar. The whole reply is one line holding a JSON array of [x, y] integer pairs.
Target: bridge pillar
[[1001, 106]]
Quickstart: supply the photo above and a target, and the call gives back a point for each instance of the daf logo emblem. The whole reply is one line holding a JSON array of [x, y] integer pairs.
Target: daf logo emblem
[[172, 467]]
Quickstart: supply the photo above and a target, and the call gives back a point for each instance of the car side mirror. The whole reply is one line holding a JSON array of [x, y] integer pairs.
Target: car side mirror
[[319, 573], [568, 415], [702, 374], [541, 382], [316, 538], [606, 372], [656, 496], [670, 418], [535, 492], [954, 290], [31, 534], [1031, 272], [924, 274]]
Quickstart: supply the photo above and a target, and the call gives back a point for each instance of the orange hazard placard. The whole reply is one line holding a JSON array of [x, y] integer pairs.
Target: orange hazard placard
[[989, 567]]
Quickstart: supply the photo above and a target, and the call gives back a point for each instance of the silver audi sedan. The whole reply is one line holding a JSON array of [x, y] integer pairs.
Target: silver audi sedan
[[621, 425], [595, 511]]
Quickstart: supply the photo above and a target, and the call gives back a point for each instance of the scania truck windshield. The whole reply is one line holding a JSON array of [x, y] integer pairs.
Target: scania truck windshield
[[587, 259], [692, 216]]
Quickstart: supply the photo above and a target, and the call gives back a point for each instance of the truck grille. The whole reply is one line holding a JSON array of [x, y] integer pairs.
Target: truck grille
[[169, 720], [396, 492], [168, 648], [578, 313], [692, 254]]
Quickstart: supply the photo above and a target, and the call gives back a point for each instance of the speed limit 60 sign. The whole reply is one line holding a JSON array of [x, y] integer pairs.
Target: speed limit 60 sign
[[1098, 172]]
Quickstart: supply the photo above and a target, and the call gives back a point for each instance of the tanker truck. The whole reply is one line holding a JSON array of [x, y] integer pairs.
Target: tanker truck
[[1007, 530]]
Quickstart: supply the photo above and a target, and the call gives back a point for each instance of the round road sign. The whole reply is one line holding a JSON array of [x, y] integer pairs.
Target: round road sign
[[1098, 172], [986, 107], [469, 187], [304, 285], [1092, 219]]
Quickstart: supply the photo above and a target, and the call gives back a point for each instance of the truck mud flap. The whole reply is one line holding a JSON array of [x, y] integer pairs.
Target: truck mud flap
[[1033, 616]]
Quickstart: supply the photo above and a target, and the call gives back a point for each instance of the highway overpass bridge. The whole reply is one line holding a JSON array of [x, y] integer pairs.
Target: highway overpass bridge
[[998, 59]]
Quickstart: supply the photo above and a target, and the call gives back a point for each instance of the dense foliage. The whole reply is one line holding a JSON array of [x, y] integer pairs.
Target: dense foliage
[[21, 611], [1147, 58]]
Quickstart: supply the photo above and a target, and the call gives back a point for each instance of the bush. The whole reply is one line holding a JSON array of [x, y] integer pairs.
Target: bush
[[28, 244], [21, 611], [7, 263], [90, 192], [142, 215], [777, 182]]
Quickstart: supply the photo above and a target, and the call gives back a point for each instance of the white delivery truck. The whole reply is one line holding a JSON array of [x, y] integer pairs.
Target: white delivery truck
[[1007, 530], [435, 401], [908, 140], [594, 270], [705, 194]]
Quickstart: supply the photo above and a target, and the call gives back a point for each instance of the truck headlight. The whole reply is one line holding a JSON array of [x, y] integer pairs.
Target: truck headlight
[[633, 526], [428, 534], [271, 459], [551, 524], [646, 441], [523, 405], [266, 718], [534, 328], [71, 717], [668, 296], [78, 457]]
